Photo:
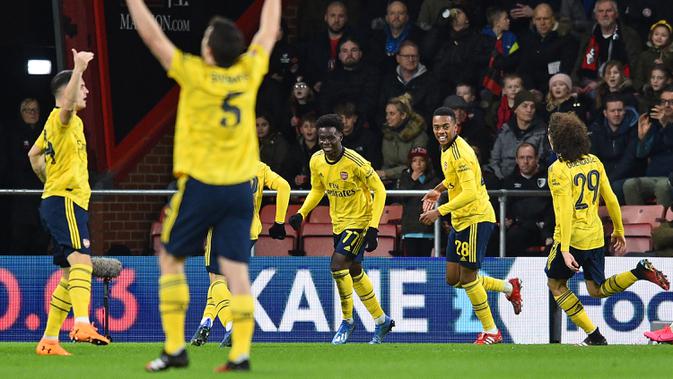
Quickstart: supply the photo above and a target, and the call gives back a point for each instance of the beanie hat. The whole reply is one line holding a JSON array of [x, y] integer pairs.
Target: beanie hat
[[523, 95], [563, 78]]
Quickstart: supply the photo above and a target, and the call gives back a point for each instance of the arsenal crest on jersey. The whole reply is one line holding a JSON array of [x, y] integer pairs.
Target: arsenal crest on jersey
[[541, 182], [344, 175]]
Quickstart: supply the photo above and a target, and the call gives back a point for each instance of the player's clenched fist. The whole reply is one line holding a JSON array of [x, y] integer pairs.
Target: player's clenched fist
[[277, 231], [295, 221]]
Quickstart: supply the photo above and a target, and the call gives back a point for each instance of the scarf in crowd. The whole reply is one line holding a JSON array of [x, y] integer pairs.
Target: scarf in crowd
[[592, 52], [504, 113]]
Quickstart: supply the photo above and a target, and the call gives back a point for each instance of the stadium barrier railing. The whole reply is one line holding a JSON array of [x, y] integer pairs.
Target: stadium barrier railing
[[501, 194]]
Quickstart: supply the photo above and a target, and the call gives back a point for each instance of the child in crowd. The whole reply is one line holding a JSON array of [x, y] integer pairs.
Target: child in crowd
[[659, 77], [660, 51], [560, 98], [417, 239], [501, 111], [614, 80]]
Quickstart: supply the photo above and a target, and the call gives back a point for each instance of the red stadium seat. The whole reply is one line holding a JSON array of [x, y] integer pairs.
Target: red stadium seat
[[268, 212], [320, 215], [269, 247], [392, 214], [318, 239], [638, 214], [638, 230], [638, 244]]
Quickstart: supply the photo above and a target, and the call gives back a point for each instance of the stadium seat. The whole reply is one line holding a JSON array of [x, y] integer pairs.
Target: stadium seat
[[638, 244], [392, 214], [268, 212], [269, 247], [638, 214], [638, 230], [317, 240], [320, 215], [387, 241]]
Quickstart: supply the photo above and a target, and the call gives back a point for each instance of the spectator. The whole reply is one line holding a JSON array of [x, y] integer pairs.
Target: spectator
[[273, 147], [430, 11], [655, 135], [529, 220], [545, 50], [403, 130], [284, 64], [573, 17], [26, 233], [417, 239], [522, 127], [501, 111], [659, 52], [561, 99], [614, 81], [522, 11], [504, 57], [358, 137], [609, 40], [641, 14], [474, 108], [304, 150], [412, 77], [472, 130], [457, 51], [302, 102], [386, 42], [659, 78], [352, 80], [614, 139], [320, 54]]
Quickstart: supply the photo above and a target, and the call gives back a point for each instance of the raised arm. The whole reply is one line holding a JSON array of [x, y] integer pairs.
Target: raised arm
[[269, 25], [150, 32], [68, 102]]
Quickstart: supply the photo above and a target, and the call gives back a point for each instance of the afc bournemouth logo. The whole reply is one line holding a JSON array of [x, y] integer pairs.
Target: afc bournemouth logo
[[344, 175], [541, 182]]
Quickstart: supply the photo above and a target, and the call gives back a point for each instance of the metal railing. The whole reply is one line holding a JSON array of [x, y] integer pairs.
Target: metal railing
[[502, 196]]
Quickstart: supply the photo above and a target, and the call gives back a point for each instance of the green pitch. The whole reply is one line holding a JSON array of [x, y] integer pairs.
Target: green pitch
[[388, 361]]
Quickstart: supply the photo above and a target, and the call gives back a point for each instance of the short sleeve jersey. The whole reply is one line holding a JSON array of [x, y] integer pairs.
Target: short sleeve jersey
[[461, 169], [215, 134], [346, 183], [66, 159], [575, 188]]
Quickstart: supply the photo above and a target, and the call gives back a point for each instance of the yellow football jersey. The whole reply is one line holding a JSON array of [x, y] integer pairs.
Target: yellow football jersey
[[66, 161], [468, 200], [347, 183], [215, 134], [575, 188], [267, 178]]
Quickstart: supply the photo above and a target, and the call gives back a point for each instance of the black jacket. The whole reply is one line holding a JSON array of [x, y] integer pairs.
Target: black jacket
[[422, 88], [617, 150], [359, 86], [534, 209], [412, 206], [366, 143], [537, 53]]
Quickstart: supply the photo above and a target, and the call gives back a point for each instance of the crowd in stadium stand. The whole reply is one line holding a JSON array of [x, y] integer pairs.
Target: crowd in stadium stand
[[502, 66]]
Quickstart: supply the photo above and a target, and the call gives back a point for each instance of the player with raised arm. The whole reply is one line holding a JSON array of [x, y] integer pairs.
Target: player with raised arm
[[59, 159], [577, 180], [347, 179], [473, 221], [219, 297], [215, 157]]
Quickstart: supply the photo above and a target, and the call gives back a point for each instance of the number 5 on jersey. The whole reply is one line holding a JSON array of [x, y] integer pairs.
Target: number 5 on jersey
[[231, 111]]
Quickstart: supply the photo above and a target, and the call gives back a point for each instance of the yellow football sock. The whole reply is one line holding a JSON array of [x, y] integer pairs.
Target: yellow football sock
[[477, 294], [173, 303], [365, 290], [209, 310], [79, 286], [344, 283], [221, 299], [242, 312], [617, 283], [492, 284], [59, 307], [574, 309]]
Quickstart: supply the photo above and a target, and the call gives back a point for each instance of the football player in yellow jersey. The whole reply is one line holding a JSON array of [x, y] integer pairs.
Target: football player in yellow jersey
[[347, 179], [473, 221], [59, 159], [219, 297], [576, 181], [215, 157]]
